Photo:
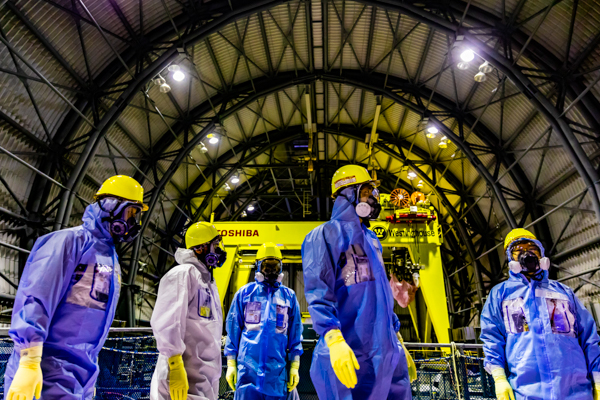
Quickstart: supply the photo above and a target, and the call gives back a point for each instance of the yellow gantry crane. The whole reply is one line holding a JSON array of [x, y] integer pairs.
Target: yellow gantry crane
[[408, 229]]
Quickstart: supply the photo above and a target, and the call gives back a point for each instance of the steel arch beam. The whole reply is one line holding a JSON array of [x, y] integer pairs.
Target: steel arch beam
[[373, 83], [277, 138], [570, 144], [76, 179], [245, 8], [357, 135], [433, 21], [265, 86], [544, 59]]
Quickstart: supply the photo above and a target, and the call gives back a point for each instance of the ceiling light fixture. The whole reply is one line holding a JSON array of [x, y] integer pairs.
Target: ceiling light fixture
[[431, 131], [235, 179], [467, 55], [250, 208], [463, 65], [443, 143], [412, 174], [164, 88], [486, 68], [203, 148], [213, 138], [480, 77], [178, 74], [420, 184]]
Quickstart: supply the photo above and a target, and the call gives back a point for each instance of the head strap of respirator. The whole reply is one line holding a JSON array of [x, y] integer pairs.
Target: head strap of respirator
[[366, 208], [211, 254], [270, 271], [124, 218], [528, 262]]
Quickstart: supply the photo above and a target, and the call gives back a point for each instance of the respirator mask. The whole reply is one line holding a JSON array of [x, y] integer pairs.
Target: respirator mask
[[211, 254], [527, 258], [123, 218], [367, 202], [269, 270]]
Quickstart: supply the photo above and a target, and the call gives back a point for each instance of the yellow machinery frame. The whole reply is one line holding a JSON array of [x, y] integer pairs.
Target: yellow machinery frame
[[421, 236], [417, 228], [240, 236]]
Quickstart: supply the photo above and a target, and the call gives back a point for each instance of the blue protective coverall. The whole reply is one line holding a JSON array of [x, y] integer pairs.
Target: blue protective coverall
[[264, 328], [345, 291], [66, 301], [543, 336]]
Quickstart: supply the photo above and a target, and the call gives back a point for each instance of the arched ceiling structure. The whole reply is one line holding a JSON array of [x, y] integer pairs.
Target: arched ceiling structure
[[79, 102]]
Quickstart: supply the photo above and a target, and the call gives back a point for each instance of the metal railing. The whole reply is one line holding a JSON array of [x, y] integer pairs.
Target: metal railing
[[127, 363]]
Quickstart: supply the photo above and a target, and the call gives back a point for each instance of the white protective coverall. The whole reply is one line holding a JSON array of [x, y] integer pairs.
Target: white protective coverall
[[188, 320]]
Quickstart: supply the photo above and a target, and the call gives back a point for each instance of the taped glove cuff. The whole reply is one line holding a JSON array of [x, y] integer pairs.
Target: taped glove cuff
[[596, 378], [334, 336], [295, 365], [498, 374], [31, 355], [231, 363], [175, 362]]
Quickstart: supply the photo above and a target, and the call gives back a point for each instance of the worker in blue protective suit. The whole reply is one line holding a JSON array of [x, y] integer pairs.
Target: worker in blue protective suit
[[67, 298], [264, 329], [350, 299], [538, 331]]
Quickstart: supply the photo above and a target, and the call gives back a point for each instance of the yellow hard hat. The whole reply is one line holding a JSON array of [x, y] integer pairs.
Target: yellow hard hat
[[517, 234], [268, 250], [124, 187], [200, 233], [350, 175]]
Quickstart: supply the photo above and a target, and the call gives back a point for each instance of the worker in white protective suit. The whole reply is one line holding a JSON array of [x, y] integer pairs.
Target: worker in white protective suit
[[188, 322]]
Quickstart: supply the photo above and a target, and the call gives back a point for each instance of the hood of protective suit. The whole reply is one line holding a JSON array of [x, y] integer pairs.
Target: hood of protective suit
[[187, 256], [343, 209], [521, 277], [92, 221]]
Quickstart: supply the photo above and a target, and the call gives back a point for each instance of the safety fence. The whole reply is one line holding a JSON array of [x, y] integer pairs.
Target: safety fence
[[127, 365]]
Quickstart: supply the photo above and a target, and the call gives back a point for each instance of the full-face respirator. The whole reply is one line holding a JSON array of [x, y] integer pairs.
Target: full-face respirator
[[528, 262], [212, 254], [367, 207], [269, 270], [123, 218]]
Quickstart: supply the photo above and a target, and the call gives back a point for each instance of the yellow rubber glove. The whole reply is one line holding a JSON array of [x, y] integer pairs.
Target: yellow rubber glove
[[28, 380], [412, 368], [178, 382], [503, 389], [342, 357], [231, 376], [294, 375], [596, 391]]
